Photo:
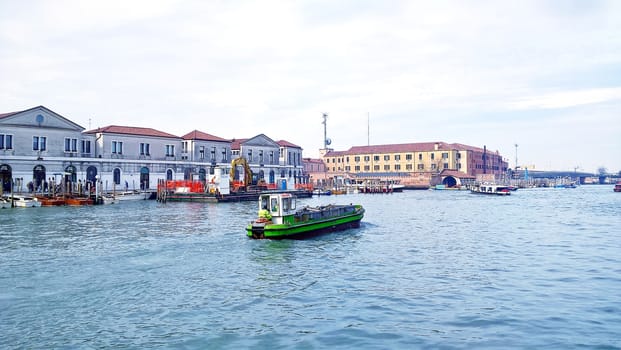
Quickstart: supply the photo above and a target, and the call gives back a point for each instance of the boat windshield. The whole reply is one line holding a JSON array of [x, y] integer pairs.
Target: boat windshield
[[288, 204]]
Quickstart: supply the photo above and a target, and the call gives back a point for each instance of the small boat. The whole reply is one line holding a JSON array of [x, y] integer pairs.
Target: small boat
[[4, 204], [48, 201], [23, 201], [78, 201], [617, 187], [131, 195], [490, 188], [279, 218]]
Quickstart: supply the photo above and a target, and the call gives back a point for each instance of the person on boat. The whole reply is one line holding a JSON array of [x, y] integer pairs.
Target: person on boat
[[265, 214]]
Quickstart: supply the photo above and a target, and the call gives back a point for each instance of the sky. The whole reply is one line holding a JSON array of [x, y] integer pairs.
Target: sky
[[544, 75]]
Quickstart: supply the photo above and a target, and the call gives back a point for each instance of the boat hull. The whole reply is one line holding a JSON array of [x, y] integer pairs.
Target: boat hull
[[303, 230]]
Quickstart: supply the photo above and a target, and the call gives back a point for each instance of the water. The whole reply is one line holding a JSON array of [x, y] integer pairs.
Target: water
[[427, 269]]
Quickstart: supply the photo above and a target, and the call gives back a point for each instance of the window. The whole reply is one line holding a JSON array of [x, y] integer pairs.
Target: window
[[184, 147], [386, 167], [397, 157], [397, 167], [367, 158], [250, 155], [408, 167], [144, 149], [420, 167], [347, 168], [271, 157], [356, 159], [408, 157], [376, 168], [357, 168], [201, 152], [433, 166], [117, 147], [39, 143], [376, 158], [289, 158], [445, 155], [261, 157], [446, 166], [170, 150], [71, 145], [433, 156], [420, 156], [116, 176], [213, 154], [86, 146], [386, 157], [224, 153], [367, 168]]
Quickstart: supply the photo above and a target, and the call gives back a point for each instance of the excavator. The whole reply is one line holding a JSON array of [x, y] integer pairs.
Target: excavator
[[239, 185]]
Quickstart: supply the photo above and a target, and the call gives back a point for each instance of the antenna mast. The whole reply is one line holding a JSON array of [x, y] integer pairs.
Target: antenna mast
[[326, 140]]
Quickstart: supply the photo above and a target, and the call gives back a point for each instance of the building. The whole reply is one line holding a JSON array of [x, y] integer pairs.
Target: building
[[416, 164], [39, 146], [270, 160]]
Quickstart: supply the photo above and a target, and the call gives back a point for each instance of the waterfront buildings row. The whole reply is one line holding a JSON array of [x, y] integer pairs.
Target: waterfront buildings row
[[38, 146]]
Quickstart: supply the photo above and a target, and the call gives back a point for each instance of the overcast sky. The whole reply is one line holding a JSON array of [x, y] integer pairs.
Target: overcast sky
[[545, 75]]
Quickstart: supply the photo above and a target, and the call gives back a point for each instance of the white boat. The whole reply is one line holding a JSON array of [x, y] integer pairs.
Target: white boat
[[23, 201], [4, 204], [130, 195], [108, 199], [490, 188]]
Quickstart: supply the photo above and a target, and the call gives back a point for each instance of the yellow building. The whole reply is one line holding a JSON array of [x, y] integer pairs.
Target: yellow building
[[412, 158]]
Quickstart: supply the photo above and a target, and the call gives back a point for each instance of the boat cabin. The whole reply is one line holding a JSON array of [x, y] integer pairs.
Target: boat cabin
[[277, 205]]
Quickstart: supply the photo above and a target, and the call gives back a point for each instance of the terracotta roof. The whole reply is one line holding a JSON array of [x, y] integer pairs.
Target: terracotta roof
[[131, 130], [404, 148], [284, 143], [236, 143], [203, 136], [312, 160], [2, 115]]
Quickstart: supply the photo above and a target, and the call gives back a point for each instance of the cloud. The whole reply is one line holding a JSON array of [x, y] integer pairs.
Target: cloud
[[567, 99]]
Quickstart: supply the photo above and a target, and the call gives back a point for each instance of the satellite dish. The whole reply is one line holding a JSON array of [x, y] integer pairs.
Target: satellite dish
[[328, 141]]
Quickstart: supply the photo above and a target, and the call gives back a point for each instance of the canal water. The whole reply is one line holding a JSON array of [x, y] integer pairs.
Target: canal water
[[427, 269]]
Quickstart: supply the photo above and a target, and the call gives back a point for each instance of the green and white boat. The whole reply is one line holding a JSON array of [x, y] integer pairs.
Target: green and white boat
[[279, 218]]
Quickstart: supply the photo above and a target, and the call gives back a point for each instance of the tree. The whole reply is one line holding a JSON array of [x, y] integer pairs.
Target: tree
[[602, 171]]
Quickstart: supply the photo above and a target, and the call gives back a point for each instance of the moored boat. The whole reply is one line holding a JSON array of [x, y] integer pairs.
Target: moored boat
[[490, 188], [78, 201], [23, 201], [279, 218], [617, 187], [49, 201]]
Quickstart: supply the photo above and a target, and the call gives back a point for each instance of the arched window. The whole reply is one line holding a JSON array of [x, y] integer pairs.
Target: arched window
[[144, 178], [116, 176], [169, 174]]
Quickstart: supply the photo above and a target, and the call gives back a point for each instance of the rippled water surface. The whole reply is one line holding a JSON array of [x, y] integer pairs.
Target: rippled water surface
[[427, 269]]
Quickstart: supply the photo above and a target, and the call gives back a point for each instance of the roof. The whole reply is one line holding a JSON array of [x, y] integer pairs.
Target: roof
[[131, 130], [236, 143], [404, 148], [283, 143], [2, 115], [202, 136]]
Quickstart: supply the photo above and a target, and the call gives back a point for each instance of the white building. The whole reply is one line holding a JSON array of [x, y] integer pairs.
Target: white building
[[38, 146]]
